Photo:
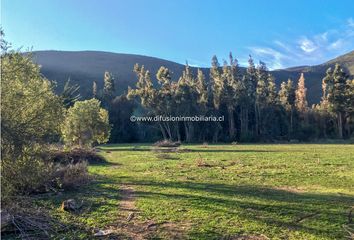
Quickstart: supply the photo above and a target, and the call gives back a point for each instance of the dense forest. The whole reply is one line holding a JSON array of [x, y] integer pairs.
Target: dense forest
[[254, 109]]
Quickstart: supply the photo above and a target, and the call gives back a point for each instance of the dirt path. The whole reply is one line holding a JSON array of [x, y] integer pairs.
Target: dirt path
[[130, 226]]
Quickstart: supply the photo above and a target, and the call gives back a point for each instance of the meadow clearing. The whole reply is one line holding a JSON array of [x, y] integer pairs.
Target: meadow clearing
[[294, 191]]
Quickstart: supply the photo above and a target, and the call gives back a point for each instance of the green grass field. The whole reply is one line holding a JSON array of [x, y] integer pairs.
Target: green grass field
[[220, 192]]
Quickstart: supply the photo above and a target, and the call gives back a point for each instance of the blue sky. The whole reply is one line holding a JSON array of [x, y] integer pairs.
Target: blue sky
[[281, 33]]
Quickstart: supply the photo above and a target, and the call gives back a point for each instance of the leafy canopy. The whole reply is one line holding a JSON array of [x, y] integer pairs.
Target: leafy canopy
[[86, 123], [30, 110]]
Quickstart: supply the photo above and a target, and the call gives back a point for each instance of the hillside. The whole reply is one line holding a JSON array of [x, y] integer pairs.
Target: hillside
[[87, 66], [314, 74]]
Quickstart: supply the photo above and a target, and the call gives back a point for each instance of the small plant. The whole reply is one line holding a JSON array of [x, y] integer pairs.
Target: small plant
[[25, 175], [200, 162], [167, 143], [349, 229], [165, 156], [72, 175]]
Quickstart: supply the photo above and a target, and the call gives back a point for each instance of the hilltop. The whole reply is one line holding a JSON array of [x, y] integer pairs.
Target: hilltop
[[84, 67]]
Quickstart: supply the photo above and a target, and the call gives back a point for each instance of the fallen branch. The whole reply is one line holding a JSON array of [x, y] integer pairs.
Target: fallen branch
[[306, 217]]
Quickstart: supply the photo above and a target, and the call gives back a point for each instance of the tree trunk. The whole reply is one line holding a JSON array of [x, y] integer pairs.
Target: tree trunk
[[187, 132], [168, 130], [216, 133], [242, 118], [340, 125], [347, 124], [178, 132], [245, 122], [163, 131], [231, 123], [291, 123], [190, 128], [256, 119]]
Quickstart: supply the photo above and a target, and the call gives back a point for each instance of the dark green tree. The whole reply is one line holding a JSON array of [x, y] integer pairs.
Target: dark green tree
[[108, 89], [335, 84]]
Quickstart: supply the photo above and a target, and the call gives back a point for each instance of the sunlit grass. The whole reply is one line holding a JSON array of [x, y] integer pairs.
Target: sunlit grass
[[280, 191]]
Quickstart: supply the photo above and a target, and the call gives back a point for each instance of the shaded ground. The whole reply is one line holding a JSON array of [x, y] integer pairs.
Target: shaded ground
[[217, 192]]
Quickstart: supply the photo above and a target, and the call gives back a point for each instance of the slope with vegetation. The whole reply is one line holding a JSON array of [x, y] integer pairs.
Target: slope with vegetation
[[255, 107], [88, 66]]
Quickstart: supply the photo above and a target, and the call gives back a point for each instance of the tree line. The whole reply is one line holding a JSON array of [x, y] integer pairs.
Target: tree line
[[253, 107]]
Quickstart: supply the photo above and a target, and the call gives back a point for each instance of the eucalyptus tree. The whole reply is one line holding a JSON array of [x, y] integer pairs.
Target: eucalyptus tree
[[261, 96], [335, 86], [287, 100], [301, 96], [187, 98]]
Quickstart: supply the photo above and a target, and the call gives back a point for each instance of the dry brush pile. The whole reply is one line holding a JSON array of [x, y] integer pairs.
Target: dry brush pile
[[50, 172]]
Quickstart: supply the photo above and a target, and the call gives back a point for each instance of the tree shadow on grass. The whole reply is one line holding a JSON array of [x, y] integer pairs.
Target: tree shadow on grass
[[316, 214], [321, 215], [105, 164], [182, 150]]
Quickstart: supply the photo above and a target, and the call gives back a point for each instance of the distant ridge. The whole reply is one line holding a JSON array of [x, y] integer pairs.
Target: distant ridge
[[84, 67]]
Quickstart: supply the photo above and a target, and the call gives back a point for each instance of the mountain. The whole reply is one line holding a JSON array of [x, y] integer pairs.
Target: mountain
[[315, 74], [87, 66], [84, 67]]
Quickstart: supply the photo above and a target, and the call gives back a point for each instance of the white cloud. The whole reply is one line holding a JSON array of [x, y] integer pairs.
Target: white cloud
[[282, 45], [307, 50], [273, 57], [307, 45], [336, 44], [324, 36], [195, 63]]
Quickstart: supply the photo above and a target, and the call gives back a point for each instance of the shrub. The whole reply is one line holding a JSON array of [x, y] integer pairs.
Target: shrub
[[72, 175], [23, 175], [85, 124], [39, 173], [73, 156], [167, 143]]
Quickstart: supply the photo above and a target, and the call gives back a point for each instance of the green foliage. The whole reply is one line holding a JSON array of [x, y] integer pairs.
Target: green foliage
[[29, 173], [338, 96], [108, 88], [30, 116], [262, 90], [287, 94], [85, 124], [336, 87], [202, 88], [253, 108], [301, 96], [70, 94], [123, 130], [30, 111]]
